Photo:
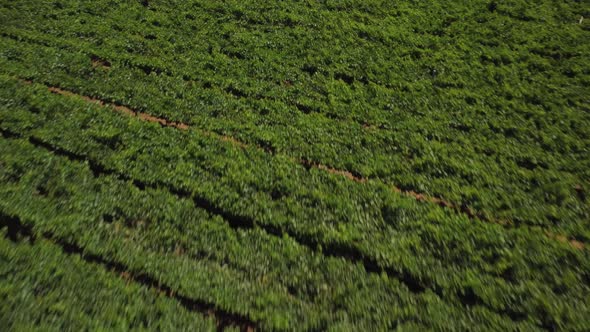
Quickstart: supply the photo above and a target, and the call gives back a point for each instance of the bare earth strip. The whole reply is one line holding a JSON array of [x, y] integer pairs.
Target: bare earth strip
[[306, 163]]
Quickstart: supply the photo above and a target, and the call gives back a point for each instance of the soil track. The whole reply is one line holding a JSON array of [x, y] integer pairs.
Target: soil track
[[306, 163]]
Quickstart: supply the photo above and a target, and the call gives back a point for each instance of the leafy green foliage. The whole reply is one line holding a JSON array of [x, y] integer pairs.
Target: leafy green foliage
[[482, 104], [43, 288]]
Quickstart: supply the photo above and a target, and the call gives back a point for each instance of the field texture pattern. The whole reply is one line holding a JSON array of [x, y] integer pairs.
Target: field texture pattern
[[353, 165]]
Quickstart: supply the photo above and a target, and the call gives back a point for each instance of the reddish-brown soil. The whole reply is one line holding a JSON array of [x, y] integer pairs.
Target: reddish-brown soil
[[347, 174]]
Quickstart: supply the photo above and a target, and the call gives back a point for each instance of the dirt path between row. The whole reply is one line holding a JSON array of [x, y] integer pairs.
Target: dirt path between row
[[306, 163]]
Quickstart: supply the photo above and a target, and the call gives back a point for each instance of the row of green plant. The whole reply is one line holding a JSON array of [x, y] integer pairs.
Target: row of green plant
[[475, 146], [56, 208], [45, 289], [515, 272], [571, 209], [106, 216]]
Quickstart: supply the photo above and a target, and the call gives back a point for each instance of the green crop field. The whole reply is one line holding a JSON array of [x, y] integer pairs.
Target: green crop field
[[303, 165]]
